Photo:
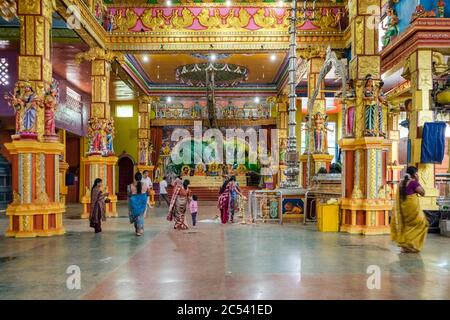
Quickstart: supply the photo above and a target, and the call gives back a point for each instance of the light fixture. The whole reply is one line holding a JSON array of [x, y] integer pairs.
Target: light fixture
[[168, 3], [228, 3], [169, 99], [213, 57], [273, 57], [280, 3], [257, 100], [145, 58]]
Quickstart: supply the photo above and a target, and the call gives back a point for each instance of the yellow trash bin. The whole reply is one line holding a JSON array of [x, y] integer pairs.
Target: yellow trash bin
[[327, 217]]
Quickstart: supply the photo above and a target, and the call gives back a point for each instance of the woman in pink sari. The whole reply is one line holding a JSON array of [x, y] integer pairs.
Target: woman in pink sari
[[228, 196]]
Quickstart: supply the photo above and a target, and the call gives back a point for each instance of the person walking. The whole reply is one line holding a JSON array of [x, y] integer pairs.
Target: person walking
[[137, 203], [163, 192], [409, 226], [178, 205]]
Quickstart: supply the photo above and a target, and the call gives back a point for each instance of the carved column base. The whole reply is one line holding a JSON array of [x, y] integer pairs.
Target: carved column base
[[36, 209], [365, 216], [103, 168]]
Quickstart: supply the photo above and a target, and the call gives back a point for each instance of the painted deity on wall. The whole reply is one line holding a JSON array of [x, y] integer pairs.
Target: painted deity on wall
[[50, 104], [196, 110]]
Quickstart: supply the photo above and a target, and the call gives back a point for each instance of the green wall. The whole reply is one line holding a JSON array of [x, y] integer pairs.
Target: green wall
[[126, 130]]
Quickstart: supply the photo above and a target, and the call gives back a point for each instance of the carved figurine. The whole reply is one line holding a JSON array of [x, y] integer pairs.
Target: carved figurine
[[109, 134], [350, 116], [25, 103], [95, 128], [143, 147], [151, 149], [421, 13], [50, 103], [110, 22], [196, 111], [441, 8], [200, 170], [373, 114], [320, 133], [307, 131], [392, 27]]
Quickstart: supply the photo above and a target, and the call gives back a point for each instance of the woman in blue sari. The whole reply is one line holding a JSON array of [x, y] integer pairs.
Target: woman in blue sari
[[137, 203]]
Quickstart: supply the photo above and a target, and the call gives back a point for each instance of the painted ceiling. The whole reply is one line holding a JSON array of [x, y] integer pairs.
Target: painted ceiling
[[159, 69]]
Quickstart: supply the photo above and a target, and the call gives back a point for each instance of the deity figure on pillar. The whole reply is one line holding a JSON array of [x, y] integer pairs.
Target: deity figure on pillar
[[25, 103], [109, 135], [373, 113], [307, 131], [320, 133], [392, 27], [143, 147], [95, 136], [151, 150], [350, 100], [441, 9], [50, 104]]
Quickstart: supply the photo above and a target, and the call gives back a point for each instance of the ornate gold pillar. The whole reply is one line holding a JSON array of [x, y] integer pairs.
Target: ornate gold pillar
[[365, 205], [419, 69], [36, 209], [63, 166], [319, 151], [145, 149], [282, 126], [100, 160]]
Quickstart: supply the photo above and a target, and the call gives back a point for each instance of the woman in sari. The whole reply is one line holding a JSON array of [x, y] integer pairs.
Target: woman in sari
[[98, 198], [178, 205], [409, 225], [137, 203], [228, 196]]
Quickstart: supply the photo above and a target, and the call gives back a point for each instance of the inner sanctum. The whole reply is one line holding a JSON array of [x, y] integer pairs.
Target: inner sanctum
[[303, 128]]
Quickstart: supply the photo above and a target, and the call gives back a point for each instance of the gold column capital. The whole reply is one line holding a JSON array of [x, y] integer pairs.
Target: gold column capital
[[148, 99], [312, 52], [98, 53]]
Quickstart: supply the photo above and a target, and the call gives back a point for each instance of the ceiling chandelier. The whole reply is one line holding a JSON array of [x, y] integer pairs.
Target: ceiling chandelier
[[225, 74]]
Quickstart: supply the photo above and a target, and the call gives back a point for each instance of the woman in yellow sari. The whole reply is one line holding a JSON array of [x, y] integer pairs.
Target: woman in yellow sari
[[409, 225]]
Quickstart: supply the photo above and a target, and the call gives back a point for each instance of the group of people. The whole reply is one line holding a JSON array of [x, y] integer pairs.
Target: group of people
[[409, 225]]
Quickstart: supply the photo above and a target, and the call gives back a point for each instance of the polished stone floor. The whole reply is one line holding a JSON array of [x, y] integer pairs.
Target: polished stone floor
[[212, 261]]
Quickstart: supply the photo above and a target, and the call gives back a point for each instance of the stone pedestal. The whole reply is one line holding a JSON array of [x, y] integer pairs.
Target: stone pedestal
[[37, 208], [317, 161]]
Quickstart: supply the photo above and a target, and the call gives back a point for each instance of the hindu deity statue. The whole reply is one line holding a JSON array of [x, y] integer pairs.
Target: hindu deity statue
[[320, 133], [200, 170], [392, 27], [166, 149], [196, 111], [25, 103], [350, 96], [100, 8], [307, 131], [95, 136], [421, 13], [109, 135], [441, 9], [110, 23], [373, 113], [143, 147], [151, 150], [50, 103], [159, 170]]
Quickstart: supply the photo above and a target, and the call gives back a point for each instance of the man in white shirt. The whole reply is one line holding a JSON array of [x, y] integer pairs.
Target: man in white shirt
[[146, 179], [163, 192]]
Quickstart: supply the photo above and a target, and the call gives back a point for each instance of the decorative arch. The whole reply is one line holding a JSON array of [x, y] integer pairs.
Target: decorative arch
[[331, 60]]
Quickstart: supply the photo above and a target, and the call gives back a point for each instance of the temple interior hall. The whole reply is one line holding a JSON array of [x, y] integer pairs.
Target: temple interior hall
[[224, 149]]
